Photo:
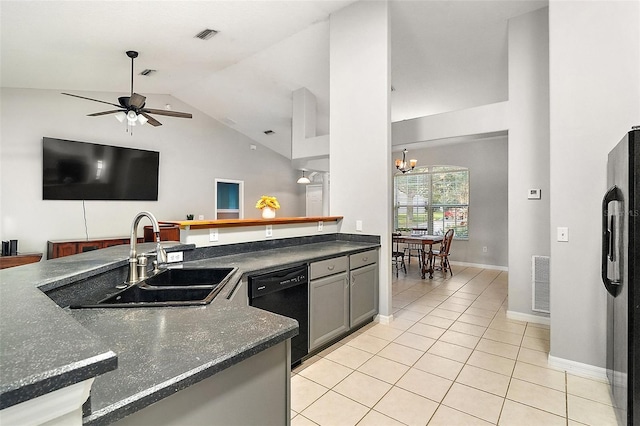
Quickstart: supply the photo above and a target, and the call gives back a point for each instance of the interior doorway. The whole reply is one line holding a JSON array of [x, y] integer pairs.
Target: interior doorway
[[229, 199], [314, 200]]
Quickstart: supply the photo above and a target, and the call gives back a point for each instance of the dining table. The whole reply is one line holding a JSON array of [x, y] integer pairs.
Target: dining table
[[427, 242]]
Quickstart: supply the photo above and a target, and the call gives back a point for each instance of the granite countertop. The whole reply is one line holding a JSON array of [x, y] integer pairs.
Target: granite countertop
[[157, 351]]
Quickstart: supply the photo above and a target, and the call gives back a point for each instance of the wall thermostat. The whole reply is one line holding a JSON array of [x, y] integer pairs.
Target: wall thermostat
[[534, 194]]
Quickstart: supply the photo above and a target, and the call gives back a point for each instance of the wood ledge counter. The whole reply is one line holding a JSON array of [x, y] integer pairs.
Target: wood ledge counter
[[234, 223]]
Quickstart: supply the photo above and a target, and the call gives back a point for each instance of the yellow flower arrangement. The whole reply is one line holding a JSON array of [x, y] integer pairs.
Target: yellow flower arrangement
[[267, 201]]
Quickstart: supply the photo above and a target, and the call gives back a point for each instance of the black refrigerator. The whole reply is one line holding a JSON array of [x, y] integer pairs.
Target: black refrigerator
[[621, 275]]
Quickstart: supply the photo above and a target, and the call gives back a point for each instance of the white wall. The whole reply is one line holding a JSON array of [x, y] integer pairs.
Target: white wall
[[595, 99], [491, 118], [360, 143], [487, 162], [192, 154], [528, 152]]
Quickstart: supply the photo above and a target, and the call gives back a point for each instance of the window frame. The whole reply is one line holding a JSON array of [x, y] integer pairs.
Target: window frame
[[428, 206]]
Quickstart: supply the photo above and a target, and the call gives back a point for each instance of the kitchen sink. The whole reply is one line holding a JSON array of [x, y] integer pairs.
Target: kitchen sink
[[171, 287], [136, 294], [189, 277]]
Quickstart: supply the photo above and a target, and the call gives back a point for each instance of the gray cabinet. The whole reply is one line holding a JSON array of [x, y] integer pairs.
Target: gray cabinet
[[256, 391], [363, 289], [328, 300]]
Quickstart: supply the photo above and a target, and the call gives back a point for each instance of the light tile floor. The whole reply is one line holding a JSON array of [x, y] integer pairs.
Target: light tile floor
[[450, 357]]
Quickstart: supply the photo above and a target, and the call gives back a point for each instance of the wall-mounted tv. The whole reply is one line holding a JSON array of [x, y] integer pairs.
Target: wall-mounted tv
[[86, 171]]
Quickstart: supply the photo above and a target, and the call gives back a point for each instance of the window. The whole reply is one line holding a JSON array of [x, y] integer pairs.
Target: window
[[435, 198], [229, 195]]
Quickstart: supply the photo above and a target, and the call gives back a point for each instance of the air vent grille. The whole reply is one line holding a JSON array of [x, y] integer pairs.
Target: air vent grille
[[269, 132], [206, 34], [540, 278], [147, 72]]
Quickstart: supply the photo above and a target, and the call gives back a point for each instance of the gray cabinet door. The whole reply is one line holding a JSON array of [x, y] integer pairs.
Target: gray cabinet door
[[364, 294], [328, 309]]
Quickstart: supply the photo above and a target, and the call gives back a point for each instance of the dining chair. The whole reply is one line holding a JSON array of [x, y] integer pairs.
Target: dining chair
[[443, 253], [415, 249], [397, 255]]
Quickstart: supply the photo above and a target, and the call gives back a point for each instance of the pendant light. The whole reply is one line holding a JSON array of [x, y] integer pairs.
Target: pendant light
[[304, 180]]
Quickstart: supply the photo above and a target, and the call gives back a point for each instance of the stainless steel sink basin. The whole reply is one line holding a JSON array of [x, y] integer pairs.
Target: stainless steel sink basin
[[172, 287]]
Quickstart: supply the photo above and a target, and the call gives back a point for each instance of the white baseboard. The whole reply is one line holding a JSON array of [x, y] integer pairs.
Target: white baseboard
[[479, 265], [578, 368], [536, 319], [383, 319]]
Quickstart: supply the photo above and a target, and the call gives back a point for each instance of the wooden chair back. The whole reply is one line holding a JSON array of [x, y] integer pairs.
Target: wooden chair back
[[446, 242], [419, 231]]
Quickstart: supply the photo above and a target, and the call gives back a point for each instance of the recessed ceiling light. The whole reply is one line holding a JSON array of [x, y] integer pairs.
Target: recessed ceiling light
[[206, 34], [269, 132]]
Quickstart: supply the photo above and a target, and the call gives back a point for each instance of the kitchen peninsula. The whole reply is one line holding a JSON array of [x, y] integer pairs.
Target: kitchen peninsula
[[139, 358]]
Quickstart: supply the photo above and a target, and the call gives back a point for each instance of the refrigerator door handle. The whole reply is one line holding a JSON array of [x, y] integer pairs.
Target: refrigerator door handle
[[610, 241]]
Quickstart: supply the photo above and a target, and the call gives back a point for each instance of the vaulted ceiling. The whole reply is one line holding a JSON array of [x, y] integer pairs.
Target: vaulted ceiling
[[446, 55]]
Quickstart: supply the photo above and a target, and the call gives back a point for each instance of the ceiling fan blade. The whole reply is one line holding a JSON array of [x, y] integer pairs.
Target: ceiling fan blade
[[89, 99], [150, 119], [95, 114], [137, 101], [168, 113]]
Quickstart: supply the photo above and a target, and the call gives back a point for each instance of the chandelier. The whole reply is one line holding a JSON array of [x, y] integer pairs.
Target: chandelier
[[403, 166]]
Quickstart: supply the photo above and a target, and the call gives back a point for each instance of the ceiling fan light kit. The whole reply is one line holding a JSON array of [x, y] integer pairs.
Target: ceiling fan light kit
[[132, 107]]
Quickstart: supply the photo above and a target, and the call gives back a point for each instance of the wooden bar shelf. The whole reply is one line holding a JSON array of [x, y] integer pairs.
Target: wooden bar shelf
[[235, 223]]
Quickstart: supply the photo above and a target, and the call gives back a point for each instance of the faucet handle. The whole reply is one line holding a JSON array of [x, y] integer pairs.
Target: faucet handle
[[161, 253]]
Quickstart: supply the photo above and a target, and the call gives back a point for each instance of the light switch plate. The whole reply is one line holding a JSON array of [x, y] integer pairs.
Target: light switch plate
[[563, 233], [213, 235], [358, 225], [269, 231]]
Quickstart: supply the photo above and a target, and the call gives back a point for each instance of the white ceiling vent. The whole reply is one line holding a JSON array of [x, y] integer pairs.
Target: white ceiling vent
[[206, 34]]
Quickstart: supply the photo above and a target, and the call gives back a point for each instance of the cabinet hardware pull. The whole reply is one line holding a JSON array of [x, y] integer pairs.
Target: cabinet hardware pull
[[331, 267], [364, 259]]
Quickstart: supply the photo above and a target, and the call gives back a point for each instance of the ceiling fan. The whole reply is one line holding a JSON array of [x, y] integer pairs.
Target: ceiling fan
[[132, 107]]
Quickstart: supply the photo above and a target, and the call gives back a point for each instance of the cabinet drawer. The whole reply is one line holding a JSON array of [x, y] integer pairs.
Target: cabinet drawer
[[363, 259], [328, 267]]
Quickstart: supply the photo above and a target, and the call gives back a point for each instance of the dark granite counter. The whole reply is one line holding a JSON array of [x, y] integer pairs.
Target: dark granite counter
[[157, 351]]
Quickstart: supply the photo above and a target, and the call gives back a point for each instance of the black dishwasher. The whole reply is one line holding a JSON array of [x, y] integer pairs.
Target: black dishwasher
[[285, 292]]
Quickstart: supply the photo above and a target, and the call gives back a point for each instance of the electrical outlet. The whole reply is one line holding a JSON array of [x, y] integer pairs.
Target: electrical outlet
[[213, 235], [269, 231], [175, 256], [200, 217], [563, 234], [484, 249], [320, 225], [358, 225]]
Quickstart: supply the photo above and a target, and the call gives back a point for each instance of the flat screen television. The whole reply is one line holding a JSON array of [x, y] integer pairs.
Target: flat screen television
[[86, 171]]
